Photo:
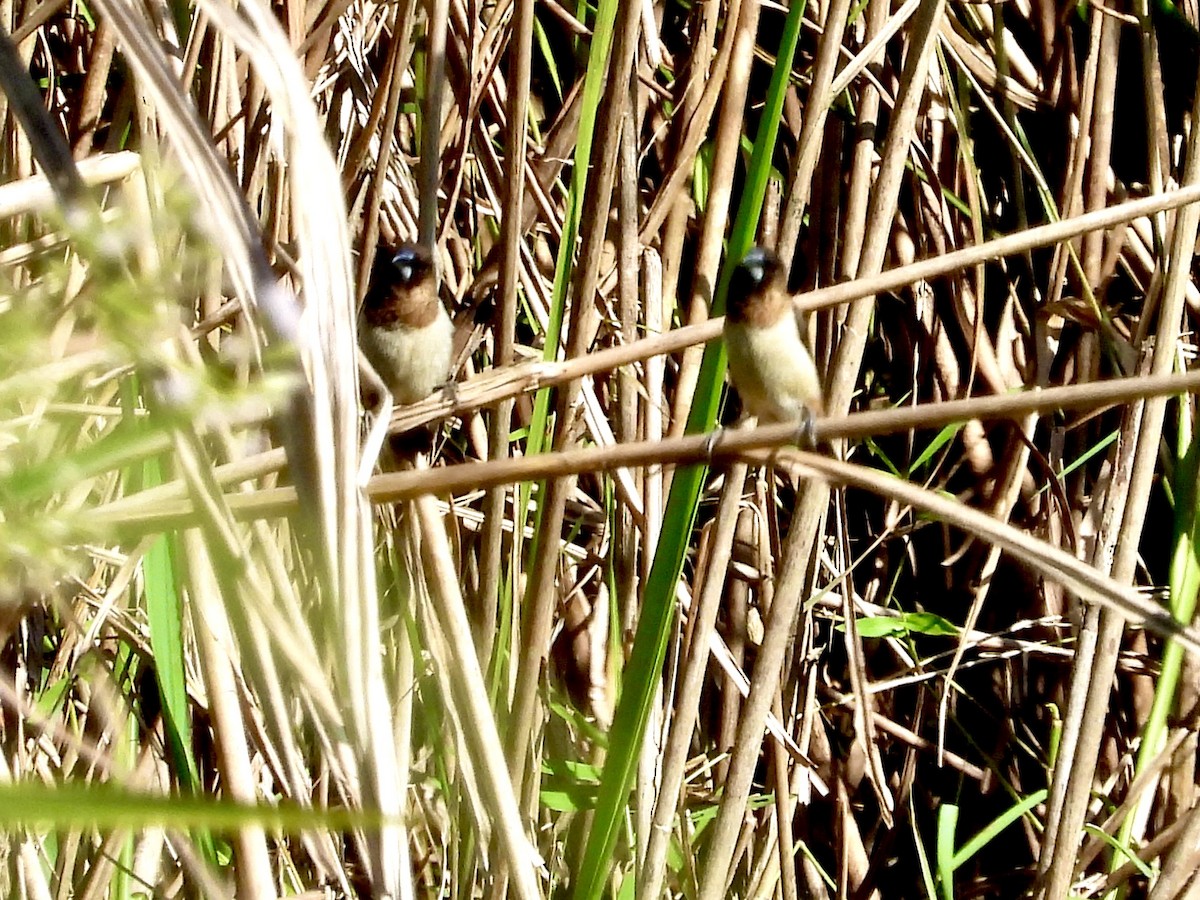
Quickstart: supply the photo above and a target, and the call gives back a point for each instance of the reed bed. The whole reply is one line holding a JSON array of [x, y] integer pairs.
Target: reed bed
[[601, 639]]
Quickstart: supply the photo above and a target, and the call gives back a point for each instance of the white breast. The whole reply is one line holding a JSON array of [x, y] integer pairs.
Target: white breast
[[413, 362], [772, 370]]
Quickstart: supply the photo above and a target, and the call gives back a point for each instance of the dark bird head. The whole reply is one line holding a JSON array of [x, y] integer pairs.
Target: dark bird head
[[403, 288], [758, 292], [411, 262]]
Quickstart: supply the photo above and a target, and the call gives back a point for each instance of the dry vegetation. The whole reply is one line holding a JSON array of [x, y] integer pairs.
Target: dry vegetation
[[584, 648]]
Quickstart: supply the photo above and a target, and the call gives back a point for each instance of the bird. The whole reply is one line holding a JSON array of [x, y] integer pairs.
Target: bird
[[404, 330], [769, 363]]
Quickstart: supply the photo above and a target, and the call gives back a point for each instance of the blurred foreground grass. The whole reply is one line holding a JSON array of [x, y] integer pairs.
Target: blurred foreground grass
[[711, 680]]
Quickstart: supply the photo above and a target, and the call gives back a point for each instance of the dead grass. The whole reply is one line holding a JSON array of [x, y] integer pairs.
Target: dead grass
[[584, 647]]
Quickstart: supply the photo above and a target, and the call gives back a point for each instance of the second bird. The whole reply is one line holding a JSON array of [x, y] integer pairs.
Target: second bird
[[768, 360], [403, 328]]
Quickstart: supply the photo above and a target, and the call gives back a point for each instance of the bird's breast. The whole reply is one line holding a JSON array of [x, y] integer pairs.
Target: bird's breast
[[773, 370], [412, 361]]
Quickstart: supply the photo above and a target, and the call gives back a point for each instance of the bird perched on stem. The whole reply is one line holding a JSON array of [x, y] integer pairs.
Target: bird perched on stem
[[404, 330], [768, 360]]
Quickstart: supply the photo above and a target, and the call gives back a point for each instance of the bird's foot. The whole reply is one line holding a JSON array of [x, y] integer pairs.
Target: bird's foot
[[450, 392], [806, 431], [711, 441]]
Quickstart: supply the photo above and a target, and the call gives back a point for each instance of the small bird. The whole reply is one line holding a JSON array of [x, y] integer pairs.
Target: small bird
[[768, 360], [403, 328]]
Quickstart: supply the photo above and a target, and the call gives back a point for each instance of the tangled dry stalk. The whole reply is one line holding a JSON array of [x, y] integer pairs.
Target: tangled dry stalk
[[587, 647]]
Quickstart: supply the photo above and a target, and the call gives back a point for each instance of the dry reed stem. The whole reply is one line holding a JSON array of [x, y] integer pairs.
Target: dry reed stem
[[982, 332]]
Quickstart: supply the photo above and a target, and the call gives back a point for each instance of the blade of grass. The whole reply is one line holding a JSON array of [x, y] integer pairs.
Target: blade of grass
[[79, 804], [927, 879], [987, 834], [1184, 586], [539, 431], [947, 819], [646, 657], [540, 428], [164, 617]]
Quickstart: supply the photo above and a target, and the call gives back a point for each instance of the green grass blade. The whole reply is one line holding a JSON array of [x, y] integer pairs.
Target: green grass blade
[[942, 438], [922, 857], [78, 805], [164, 616], [1122, 852], [593, 88], [1184, 584], [947, 820], [989, 832], [644, 669]]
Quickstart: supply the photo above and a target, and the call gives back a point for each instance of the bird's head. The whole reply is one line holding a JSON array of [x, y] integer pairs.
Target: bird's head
[[410, 263], [757, 287], [403, 287]]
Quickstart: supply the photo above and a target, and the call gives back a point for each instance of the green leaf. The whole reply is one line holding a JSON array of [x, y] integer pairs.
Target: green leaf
[[125, 444], [543, 43], [78, 805], [947, 821], [892, 626], [943, 437], [1122, 853], [644, 670], [992, 830]]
